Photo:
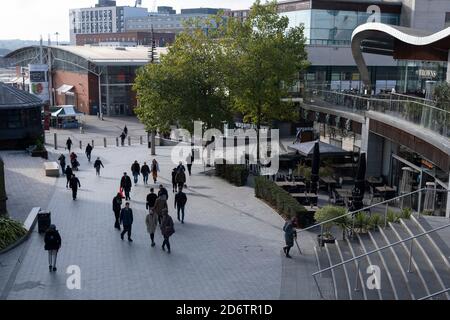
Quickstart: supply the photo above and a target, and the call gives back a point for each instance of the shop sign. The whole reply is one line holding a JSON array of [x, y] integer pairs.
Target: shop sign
[[39, 81], [426, 73], [427, 164]]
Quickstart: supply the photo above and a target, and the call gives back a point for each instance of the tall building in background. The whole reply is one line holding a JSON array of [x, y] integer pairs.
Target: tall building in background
[[105, 17]]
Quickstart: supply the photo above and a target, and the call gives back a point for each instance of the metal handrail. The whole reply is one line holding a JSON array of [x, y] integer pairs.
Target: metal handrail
[[434, 294], [363, 209], [380, 249]]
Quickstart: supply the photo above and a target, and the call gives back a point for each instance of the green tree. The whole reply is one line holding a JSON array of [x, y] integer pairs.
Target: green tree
[[263, 60]]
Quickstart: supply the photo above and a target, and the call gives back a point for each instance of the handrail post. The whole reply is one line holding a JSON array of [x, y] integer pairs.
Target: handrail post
[[410, 256], [81, 145], [104, 142], [56, 141], [385, 214], [318, 287], [356, 277]]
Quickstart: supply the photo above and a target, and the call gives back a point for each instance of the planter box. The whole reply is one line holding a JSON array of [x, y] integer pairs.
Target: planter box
[[325, 240], [41, 154]]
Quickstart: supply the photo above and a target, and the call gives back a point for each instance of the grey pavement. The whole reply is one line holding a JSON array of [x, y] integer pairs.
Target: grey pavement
[[229, 247]]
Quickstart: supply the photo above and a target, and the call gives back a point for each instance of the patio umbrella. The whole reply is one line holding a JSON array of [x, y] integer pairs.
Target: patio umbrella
[[315, 168], [358, 191]]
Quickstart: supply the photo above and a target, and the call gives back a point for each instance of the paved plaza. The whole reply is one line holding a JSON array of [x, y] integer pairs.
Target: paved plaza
[[229, 247]]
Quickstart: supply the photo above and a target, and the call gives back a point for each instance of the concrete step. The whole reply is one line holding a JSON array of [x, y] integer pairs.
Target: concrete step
[[386, 292], [325, 279], [339, 278], [431, 254], [413, 282], [351, 271]]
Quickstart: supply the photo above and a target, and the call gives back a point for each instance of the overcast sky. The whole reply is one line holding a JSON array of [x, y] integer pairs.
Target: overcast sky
[[28, 19]]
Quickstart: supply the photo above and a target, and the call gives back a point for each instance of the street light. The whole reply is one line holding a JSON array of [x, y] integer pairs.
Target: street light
[[57, 35], [23, 78]]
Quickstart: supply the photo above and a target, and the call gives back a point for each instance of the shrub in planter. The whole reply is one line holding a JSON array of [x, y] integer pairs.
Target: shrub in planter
[[375, 221], [406, 213], [362, 222], [10, 232], [392, 216], [331, 212]]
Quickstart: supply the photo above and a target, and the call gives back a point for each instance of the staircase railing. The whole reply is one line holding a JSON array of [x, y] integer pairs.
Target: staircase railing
[[435, 294], [375, 251]]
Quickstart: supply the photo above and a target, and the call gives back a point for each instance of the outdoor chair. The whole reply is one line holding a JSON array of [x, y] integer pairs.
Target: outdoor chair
[[336, 200], [375, 194]]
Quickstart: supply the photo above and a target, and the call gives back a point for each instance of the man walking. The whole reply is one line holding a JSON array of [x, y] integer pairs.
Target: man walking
[[167, 229], [174, 182], [52, 242], [125, 130], [62, 163], [69, 174], [122, 138], [189, 161], [74, 185], [160, 205], [88, 152], [151, 220], [154, 170], [126, 219], [136, 171], [151, 199], [180, 203], [163, 192], [145, 170], [69, 144], [97, 165], [125, 184], [180, 178], [117, 207]]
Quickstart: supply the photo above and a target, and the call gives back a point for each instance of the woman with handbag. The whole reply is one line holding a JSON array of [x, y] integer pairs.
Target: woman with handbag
[[167, 229]]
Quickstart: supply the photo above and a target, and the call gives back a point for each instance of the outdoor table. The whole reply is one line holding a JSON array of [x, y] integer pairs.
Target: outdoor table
[[375, 182], [289, 185], [386, 191], [305, 198]]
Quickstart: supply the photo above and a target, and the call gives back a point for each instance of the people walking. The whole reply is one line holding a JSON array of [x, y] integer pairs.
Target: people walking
[[52, 241], [88, 151], [174, 182], [189, 162], [167, 229], [180, 204], [145, 170], [125, 130], [117, 207], [74, 161], [74, 185], [136, 171], [151, 199], [97, 165], [180, 178], [160, 205], [151, 220], [62, 163], [181, 167], [126, 219], [289, 235], [69, 144], [125, 184], [69, 173], [122, 138], [163, 191], [155, 170]]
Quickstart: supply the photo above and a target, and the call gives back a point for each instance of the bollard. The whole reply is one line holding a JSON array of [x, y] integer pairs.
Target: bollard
[[117, 142], [92, 144], [104, 142], [140, 140], [129, 140], [81, 145], [56, 141]]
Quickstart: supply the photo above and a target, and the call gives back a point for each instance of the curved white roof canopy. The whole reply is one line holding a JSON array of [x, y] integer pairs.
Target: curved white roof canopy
[[379, 38]]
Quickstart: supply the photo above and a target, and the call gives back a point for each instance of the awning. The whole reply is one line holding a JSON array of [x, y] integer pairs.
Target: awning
[[64, 89], [66, 111], [307, 148]]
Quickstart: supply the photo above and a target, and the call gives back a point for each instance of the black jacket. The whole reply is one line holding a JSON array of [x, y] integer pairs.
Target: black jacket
[[174, 174], [126, 217], [52, 240], [180, 199], [117, 204], [62, 160], [125, 183], [89, 149], [163, 191], [98, 163], [151, 200], [145, 169], [135, 168], [69, 172], [74, 183]]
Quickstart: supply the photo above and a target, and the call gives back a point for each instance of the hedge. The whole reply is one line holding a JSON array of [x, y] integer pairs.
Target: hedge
[[280, 199], [10, 232], [236, 174]]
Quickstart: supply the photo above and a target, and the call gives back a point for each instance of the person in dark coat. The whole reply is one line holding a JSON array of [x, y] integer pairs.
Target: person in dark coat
[[180, 178], [180, 203], [125, 130], [122, 138], [155, 169], [289, 235], [136, 171], [126, 219], [74, 185], [189, 162], [181, 167], [69, 174], [145, 170], [174, 182], [167, 229], [117, 207], [97, 165], [88, 152], [52, 241], [62, 163], [69, 144], [163, 191], [151, 199], [125, 184]]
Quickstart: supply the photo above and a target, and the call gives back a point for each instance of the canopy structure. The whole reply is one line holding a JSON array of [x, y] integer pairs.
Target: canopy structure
[[65, 88], [66, 112], [306, 149]]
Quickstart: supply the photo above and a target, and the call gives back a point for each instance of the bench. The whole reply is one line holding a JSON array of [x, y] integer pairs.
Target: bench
[[51, 169]]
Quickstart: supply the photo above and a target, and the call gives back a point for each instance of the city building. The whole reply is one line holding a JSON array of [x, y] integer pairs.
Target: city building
[[105, 17], [166, 19], [80, 73], [126, 39], [20, 118]]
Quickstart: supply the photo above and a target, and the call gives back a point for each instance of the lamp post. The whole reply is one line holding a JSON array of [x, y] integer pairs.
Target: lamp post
[[23, 79], [57, 35]]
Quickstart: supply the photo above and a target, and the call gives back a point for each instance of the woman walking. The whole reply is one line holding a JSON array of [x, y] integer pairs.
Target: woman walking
[[289, 235], [151, 220], [160, 205], [155, 169], [52, 242], [167, 229], [117, 207]]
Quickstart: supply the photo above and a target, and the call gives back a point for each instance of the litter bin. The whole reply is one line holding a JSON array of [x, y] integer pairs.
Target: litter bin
[[149, 144], [44, 221]]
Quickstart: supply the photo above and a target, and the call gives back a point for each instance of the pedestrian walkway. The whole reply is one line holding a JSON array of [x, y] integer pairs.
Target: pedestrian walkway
[[228, 248]]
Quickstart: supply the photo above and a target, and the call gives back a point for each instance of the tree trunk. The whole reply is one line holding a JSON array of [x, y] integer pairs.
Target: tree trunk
[[153, 142]]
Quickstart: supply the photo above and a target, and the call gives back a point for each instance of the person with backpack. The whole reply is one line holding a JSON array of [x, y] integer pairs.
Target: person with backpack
[[289, 235], [62, 163], [167, 229], [136, 171], [69, 174], [151, 220], [97, 165], [117, 207], [88, 152], [155, 170], [180, 204], [145, 170], [180, 178], [52, 241], [126, 219], [69, 144], [125, 184], [74, 185]]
